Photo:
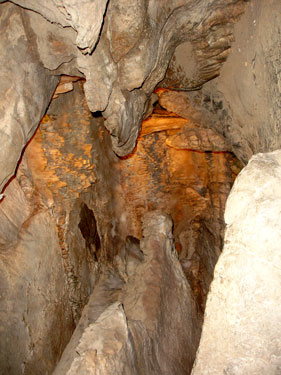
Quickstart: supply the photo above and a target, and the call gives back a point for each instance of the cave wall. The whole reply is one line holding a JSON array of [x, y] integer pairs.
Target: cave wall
[[250, 82], [123, 330], [72, 178], [49, 240], [34, 298], [26, 88], [190, 185], [242, 336], [71, 181], [242, 103], [123, 56]]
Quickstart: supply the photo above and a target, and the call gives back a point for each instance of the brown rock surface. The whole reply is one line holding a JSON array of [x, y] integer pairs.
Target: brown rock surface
[[190, 186], [249, 88], [70, 176], [74, 208], [196, 139], [34, 298], [47, 252], [123, 52], [243, 103], [139, 337]]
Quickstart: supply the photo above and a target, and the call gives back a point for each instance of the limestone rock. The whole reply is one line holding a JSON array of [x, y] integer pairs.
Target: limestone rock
[[47, 252], [55, 45], [242, 325], [14, 211], [137, 338], [125, 25], [105, 346], [122, 49], [34, 300], [158, 286], [26, 88], [123, 53], [190, 186], [205, 52], [247, 93], [197, 139], [95, 201], [86, 18]]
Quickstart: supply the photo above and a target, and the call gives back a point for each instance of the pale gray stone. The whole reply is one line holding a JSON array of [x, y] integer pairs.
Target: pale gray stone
[[34, 299], [105, 346], [26, 88], [242, 324], [84, 17], [247, 92]]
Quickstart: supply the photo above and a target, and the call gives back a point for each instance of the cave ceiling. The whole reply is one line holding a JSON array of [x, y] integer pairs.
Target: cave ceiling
[[121, 48]]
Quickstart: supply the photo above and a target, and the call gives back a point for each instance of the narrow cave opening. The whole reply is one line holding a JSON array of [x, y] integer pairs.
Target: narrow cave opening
[[88, 228]]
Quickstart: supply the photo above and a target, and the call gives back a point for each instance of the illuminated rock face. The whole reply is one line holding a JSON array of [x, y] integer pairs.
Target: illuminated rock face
[[49, 243], [72, 214], [243, 337], [122, 49], [191, 186], [90, 204]]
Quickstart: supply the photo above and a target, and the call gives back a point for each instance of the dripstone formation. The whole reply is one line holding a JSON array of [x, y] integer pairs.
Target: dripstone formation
[[124, 125]]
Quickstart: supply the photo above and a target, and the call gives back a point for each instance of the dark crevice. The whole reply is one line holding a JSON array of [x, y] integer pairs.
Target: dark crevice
[[88, 228]]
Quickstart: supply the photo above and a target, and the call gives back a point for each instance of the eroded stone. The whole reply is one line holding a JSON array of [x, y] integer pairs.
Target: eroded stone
[[241, 332]]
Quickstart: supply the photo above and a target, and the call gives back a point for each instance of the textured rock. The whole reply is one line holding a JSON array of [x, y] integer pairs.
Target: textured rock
[[137, 338], [205, 52], [105, 346], [187, 105], [26, 88], [85, 18], [243, 102], [70, 172], [34, 299], [247, 92], [197, 139], [242, 325], [157, 289], [48, 241], [123, 53], [61, 166], [190, 186], [101, 342], [124, 49]]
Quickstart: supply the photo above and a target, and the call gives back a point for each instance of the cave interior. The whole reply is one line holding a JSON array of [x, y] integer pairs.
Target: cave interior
[[140, 177]]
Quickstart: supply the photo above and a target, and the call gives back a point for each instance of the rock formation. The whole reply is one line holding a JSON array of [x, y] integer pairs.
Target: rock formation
[[122, 329], [243, 337], [121, 125], [123, 56]]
